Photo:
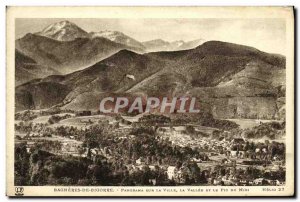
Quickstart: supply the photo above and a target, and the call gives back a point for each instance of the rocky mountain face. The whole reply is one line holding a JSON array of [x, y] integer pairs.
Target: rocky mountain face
[[63, 31], [229, 80]]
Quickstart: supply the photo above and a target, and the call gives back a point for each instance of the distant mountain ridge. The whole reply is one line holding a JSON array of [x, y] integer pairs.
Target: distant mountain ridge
[[68, 31], [119, 37], [67, 56], [157, 45], [64, 47]]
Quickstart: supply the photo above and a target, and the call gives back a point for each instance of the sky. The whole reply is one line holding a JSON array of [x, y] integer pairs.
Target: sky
[[264, 34]]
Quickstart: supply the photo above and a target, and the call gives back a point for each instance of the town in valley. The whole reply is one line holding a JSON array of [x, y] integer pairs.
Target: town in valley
[[236, 135]]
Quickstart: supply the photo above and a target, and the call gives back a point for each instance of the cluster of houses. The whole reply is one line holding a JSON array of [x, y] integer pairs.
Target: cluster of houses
[[231, 149], [236, 147], [179, 175]]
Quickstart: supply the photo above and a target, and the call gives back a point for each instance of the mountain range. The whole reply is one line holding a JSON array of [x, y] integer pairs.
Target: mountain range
[[66, 56], [63, 47], [229, 80], [68, 31]]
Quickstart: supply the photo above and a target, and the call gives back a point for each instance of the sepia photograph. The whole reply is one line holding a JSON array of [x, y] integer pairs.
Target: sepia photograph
[[185, 101]]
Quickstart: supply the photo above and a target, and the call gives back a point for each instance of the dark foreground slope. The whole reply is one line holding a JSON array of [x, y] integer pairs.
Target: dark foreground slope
[[230, 80], [82, 89]]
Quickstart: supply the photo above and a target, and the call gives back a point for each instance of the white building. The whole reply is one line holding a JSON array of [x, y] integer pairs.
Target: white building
[[171, 172]]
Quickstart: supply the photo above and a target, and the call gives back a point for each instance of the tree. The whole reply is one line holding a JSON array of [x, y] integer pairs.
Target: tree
[[190, 129]]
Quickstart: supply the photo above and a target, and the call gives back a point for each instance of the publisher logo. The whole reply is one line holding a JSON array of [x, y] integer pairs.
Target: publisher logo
[[19, 191]]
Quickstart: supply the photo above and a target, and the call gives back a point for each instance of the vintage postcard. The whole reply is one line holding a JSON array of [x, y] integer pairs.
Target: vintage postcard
[[150, 101]]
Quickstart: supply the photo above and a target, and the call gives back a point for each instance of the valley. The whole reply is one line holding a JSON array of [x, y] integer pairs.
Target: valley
[[62, 73], [214, 150]]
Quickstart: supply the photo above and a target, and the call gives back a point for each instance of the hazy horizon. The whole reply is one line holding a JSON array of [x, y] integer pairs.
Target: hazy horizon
[[264, 34]]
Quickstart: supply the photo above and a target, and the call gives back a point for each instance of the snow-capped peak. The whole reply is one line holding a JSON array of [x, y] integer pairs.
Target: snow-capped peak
[[57, 26], [111, 35], [63, 31], [178, 43], [118, 37]]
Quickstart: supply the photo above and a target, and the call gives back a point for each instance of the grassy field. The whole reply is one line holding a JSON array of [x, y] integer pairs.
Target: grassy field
[[249, 123], [44, 119], [81, 121]]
